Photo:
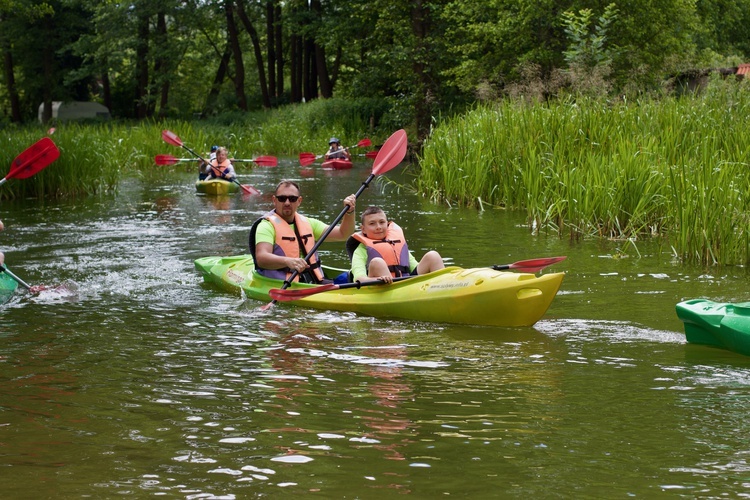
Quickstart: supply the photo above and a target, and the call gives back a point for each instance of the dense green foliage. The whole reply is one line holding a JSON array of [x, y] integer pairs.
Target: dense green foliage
[[187, 58], [674, 167]]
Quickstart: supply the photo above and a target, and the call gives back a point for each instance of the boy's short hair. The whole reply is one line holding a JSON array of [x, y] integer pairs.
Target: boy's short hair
[[372, 210]]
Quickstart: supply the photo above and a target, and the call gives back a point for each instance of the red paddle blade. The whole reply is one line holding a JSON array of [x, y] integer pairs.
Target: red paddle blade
[[35, 158], [391, 154], [306, 159], [251, 190], [371, 154], [266, 161], [530, 265], [171, 138], [537, 263], [165, 159], [285, 295], [364, 143]]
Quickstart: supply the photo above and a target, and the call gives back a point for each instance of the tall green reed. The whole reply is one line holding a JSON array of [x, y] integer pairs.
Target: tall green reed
[[677, 168]]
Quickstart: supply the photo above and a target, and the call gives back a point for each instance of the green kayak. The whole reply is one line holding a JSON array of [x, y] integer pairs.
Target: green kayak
[[216, 187], [7, 287], [722, 325], [479, 296]]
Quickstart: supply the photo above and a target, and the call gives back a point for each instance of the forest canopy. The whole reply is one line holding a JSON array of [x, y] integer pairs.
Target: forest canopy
[[187, 58]]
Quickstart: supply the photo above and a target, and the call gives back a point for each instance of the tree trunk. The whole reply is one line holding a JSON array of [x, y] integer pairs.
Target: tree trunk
[[141, 69], [161, 66], [295, 68], [258, 54], [47, 69], [324, 81], [279, 52], [425, 91], [10, 83], [336, 65], [321, 66], [221, 74], [107, 92], [309, 71], [239, 66], [271, 47]]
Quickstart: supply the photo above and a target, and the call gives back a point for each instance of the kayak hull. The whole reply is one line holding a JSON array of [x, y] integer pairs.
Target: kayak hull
[[337, 164], [479, 296], [216, 187], [722, 325], [8, 287]]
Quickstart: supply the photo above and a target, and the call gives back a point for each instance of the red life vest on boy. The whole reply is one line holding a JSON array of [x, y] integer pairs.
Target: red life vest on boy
[[393, 249], [287, 244]]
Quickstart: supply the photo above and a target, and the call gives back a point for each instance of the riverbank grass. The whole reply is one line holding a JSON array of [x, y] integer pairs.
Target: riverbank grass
[[677, 168]]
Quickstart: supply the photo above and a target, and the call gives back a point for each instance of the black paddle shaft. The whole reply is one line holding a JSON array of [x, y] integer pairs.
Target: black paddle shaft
[[328, 230]]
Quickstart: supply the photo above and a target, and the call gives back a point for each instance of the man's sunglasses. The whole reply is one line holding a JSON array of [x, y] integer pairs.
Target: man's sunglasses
[[282, 198]]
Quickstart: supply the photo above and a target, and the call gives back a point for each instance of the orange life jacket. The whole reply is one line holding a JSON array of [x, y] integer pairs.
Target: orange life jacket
[[393, 249], [219, 170], [287, 244]]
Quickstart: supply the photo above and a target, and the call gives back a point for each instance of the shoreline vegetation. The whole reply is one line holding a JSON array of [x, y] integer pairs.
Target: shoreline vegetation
[[675, 168]]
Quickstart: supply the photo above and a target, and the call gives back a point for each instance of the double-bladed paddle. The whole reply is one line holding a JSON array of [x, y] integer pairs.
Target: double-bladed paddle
[[524, 266], [171, 138], [390, 155], [309, 158], [34, 159], [263, 161]]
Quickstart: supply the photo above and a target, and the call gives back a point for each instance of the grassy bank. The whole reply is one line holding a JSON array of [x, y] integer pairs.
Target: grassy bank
[[677, 168], [95, 156]]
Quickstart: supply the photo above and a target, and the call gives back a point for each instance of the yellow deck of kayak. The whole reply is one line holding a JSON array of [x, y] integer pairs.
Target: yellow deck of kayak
[[478, 296], [216, 187]]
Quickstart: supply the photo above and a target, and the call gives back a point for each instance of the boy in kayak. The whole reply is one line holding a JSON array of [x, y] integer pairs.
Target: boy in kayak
[[336, 152], [221, 167], [280, 240], [379, 251]]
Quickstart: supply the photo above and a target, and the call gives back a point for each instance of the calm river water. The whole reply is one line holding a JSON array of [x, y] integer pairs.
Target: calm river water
[[147, 382]]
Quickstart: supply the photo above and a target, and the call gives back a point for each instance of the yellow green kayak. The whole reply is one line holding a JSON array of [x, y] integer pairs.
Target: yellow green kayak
[[478, 296], [216, 187]]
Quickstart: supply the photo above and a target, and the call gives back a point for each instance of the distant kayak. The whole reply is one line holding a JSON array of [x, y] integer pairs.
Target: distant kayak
[[216, 187], [479, 296], [337, 164], [722, 325]]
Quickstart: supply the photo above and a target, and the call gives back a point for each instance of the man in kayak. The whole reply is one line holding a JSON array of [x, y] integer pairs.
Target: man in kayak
[[336, 152], [280, 240], [221, 167], [379, 251]]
